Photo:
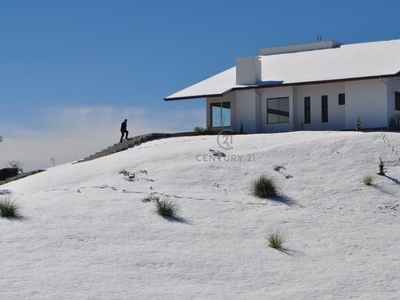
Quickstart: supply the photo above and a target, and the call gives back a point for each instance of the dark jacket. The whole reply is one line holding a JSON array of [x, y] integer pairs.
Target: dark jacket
[[123, 126]]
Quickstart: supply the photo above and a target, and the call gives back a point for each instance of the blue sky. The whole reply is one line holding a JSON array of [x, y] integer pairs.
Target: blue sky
[[71, 71]]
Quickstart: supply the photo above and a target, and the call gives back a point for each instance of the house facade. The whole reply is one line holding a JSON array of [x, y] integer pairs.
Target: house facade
[[316, 86]]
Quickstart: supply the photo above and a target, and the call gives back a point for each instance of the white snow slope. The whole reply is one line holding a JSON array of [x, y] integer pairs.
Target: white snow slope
[[86, 234]]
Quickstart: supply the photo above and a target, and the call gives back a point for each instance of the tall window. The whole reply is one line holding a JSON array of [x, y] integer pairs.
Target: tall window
[[221, 114], [307, 110], [396, 100], [324, 106], [278, 110], [342, 99]]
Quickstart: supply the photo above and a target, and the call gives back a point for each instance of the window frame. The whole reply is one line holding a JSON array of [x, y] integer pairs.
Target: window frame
[[307, 110], [324, 109], [220, 105], [285, 115], [397, 100], [342, 99]]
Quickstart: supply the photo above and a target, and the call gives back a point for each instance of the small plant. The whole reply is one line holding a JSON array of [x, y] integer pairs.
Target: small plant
[[241, 131], [276, 240], [132, 175], [202, 130], [368, 179], [166, 208], [151, 198], [264, 187], [217, 153], [279, 168], [358, 124], [8, 209], [382, 170]]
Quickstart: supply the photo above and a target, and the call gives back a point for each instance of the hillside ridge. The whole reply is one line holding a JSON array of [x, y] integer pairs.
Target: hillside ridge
[[132, 142]]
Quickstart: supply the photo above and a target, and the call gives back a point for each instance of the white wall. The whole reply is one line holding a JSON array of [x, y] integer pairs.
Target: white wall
[[366, 99], [336, 112], [248, 70], [246, 111], [258, 110], [298, 109], [371, 100]]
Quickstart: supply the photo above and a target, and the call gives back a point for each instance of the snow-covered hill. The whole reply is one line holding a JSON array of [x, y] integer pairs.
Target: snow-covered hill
[[87, 234]]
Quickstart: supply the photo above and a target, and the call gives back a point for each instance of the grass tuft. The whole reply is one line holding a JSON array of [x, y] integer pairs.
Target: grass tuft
[[166, 208], [264, 187], [8, 209], [201, 130], [382, 170], [276, 240], [368, 179]]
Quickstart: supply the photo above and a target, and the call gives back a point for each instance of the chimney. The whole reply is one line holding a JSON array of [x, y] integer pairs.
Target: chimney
[[248, 70]]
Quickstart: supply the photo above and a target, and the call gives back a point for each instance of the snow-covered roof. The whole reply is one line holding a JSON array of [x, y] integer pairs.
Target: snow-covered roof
[[216, 85], [353, 61]]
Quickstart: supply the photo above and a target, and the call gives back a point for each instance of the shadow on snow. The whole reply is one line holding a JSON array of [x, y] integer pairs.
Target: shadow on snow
[[283, 200], [178, 220]]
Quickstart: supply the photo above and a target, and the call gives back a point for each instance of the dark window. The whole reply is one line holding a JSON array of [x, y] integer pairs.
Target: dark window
[[396, 100], [221, 114], [342, 99], [307, 110], [278, 110], [324, 106]]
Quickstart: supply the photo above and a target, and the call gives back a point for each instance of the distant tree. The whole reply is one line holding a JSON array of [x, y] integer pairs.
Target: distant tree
[[1, 138], [16, 164]]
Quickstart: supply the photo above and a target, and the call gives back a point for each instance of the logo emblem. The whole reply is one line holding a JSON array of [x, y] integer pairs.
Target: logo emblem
[[225, 139]]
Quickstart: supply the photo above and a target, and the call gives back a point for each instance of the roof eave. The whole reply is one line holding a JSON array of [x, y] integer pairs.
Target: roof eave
[[198, 96], [261, 86]]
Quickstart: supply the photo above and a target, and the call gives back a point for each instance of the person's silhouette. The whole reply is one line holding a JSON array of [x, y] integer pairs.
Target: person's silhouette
[[123, 130]]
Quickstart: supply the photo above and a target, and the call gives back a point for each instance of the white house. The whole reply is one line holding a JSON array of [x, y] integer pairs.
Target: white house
[[316, 86]]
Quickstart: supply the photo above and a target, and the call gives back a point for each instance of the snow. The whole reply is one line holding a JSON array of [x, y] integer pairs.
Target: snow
[[86, 233], [353, 61], [346, 62], [214, 86]]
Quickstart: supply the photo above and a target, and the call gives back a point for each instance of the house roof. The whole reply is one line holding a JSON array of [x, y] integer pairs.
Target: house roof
[[347, 62], [217, 85]]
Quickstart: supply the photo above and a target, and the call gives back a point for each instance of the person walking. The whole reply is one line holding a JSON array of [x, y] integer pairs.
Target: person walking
[[123, 130]]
